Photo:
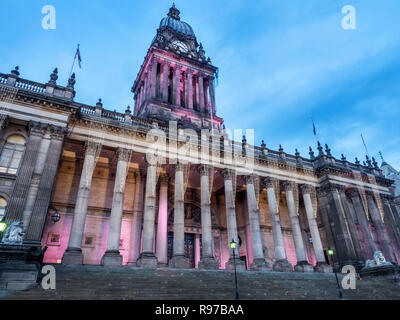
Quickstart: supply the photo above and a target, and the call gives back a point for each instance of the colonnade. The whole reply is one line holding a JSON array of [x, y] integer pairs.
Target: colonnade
[[176, 84]]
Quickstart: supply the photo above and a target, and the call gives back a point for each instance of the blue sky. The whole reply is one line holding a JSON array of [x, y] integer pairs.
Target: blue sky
[[281, 62]]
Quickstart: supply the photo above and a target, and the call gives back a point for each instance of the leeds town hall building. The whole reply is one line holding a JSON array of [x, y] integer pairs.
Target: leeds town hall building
[[164, 185]]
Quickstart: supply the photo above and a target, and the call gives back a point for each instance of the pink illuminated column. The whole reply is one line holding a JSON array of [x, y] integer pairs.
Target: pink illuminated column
[[162, 225], [206, 100], [177, 86], [189, 89], [165, 79], [197, 253], [212, 94], [201, 92], [153, 78], [136, 227]]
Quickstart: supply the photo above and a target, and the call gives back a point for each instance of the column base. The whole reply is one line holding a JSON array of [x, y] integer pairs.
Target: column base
[[323, 267], [282, 266], [111, 258], [260, 265], [72, 256], [179, 262], [303, 266], [147, 260], [240, 265], [208, 263]]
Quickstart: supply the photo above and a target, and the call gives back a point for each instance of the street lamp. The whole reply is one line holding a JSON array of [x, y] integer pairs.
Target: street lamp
[[233, 247], [331, 253]]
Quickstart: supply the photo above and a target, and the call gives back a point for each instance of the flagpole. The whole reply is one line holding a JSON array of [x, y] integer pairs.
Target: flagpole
[[73, 64], [365, 146]]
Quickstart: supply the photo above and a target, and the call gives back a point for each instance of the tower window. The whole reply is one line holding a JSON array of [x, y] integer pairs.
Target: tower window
[[11, 155]]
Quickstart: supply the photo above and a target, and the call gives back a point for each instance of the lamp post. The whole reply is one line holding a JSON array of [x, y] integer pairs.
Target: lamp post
[[331, 253], [233, 247]]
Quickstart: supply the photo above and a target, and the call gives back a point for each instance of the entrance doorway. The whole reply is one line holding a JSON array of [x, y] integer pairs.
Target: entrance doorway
[[189, 247]]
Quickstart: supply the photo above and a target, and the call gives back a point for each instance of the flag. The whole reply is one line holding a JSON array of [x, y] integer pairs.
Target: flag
[[78, 55]]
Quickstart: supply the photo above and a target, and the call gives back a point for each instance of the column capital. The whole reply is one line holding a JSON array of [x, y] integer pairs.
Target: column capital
[[227, 174], [123, 154], [269, 182], [164, 179], [3, 121], [204, 169], [37, 128], [352, 192], [57, 132], [179, 166], [288, 185], [249, 179], [306, 188], [92, 148]]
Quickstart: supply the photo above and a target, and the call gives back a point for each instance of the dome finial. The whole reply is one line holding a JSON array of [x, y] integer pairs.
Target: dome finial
[[174, 12]]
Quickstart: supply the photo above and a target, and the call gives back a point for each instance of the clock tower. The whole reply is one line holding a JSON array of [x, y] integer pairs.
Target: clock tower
[[176, 80]]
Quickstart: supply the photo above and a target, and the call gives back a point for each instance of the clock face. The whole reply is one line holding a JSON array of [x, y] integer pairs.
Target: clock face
[[179, 45]]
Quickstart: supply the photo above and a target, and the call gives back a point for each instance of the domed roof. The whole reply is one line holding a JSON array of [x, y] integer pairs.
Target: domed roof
[[173, 21]]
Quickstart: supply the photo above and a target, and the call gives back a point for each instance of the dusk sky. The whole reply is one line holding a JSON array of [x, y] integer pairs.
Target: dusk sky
[[281, 63]]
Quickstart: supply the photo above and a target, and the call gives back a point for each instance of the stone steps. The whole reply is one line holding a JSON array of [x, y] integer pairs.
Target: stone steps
[[96, 282]]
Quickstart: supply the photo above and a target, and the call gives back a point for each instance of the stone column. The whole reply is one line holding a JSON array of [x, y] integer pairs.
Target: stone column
[[165, 75], [177, 86], [16, 205], [147, 258], [231, 220], [207, 261], [162, 225], [259, 262], [136, 227], [212, 93], [73, 254], [302, 263], [48, 171], [392, 221], [178, 259], [382, 236], [153, 78], [348, 217], [112, 256], [281, 264], [321, 266], [37, 173], [201, 95], [189, 89]]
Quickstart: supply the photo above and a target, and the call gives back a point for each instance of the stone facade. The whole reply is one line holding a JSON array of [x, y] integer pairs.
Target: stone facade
[[181, 204]]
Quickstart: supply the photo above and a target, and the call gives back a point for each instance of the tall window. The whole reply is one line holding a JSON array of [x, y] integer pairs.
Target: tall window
[[11, 156], [3, 205]]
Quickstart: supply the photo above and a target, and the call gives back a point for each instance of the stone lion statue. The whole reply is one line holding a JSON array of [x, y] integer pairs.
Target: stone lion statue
[[14, 233], [379, 260]]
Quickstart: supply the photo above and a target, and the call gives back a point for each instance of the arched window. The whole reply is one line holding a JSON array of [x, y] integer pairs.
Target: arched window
[[11, 156], [3, 205]]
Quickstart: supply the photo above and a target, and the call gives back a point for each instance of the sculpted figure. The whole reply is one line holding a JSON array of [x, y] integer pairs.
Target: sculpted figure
[[380, 259], [14, 233]]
